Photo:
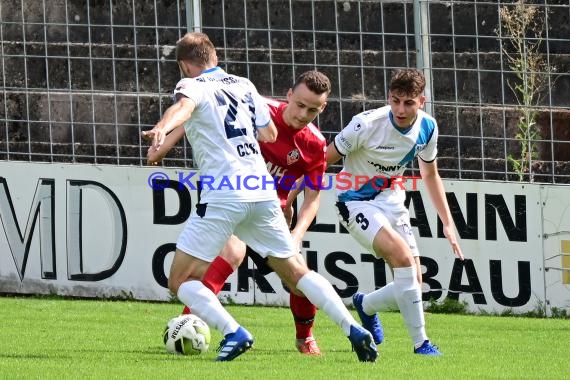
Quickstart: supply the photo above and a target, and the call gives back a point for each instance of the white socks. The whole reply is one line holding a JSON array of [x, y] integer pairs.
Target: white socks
[[409, 297], [204, 303], [321, 294], [380, 300]]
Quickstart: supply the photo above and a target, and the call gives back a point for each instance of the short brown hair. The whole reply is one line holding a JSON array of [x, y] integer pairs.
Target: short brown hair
[[195, 48], [410, 82], [315, 81]]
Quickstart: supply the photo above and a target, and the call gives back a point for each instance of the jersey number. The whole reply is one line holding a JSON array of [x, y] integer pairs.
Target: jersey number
[[360, 219], [225, 98]]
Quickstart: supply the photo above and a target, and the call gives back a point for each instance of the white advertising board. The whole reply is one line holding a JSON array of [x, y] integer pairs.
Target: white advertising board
[[555, 203], [102, 231]]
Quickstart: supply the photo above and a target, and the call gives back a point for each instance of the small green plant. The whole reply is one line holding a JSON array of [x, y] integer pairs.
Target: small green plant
[[559, 313], [523, 25], [447, 306], [539, 311]]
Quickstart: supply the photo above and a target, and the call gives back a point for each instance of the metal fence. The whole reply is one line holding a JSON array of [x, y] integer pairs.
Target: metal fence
[[81, 78]]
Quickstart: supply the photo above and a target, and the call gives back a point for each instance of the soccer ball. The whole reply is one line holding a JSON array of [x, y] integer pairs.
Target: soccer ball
[[186, 335]]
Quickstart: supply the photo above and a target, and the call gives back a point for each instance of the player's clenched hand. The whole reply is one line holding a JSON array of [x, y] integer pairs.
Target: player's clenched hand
[[449, 233]]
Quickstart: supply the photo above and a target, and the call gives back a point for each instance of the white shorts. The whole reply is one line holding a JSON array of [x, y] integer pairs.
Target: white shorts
[[363, 219], [261, 225]]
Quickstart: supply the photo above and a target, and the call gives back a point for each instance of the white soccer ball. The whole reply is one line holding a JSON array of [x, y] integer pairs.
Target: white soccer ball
[[186, 335]]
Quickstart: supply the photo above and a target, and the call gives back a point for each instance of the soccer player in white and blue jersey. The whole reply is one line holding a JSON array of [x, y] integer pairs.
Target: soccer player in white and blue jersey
[[377, 145], [222, 115]]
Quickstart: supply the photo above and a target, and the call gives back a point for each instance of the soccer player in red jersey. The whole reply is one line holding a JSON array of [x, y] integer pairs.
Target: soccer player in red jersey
[[298, 152]]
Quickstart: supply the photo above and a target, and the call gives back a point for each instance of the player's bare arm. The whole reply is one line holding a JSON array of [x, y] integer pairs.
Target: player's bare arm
[[333, 156], [154, 156], [306, 214], [268, 133], [173, 118], [293, 193], [436, 191]]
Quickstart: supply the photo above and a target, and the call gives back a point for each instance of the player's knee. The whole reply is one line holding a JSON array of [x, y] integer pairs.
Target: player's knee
[[289, 270], [234, 252], [398, 256], [402, 259], [296, 271], [392, 247]]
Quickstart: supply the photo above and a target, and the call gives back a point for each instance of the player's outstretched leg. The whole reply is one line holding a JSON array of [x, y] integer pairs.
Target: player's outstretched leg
[[215, 277], [204, 303], [369, 322], [234, 344], [321, 294]]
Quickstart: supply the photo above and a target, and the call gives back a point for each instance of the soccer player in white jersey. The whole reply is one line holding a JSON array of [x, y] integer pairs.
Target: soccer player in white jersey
[[222, 114], [377, 145], [298, 152]]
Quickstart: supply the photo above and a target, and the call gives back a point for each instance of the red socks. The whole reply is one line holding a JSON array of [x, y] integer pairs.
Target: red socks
[[215, 277], [304, 315], [217, 274]]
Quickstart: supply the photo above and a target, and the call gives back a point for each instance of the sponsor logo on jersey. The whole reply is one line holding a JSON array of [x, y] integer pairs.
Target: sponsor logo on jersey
[[420, 147], [385, 169], [275, 170], [385, 147], [344, 141], [357, 127], [293, 156]]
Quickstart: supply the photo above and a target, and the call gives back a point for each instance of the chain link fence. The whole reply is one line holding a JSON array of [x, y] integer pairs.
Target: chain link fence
[[81, 78]]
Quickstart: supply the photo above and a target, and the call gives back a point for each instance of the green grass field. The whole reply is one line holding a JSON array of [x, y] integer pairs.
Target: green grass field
[[55, 338]]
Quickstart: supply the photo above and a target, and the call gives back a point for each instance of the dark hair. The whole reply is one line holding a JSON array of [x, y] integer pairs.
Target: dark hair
[[196, 48], [410, 82], [315, 81]]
